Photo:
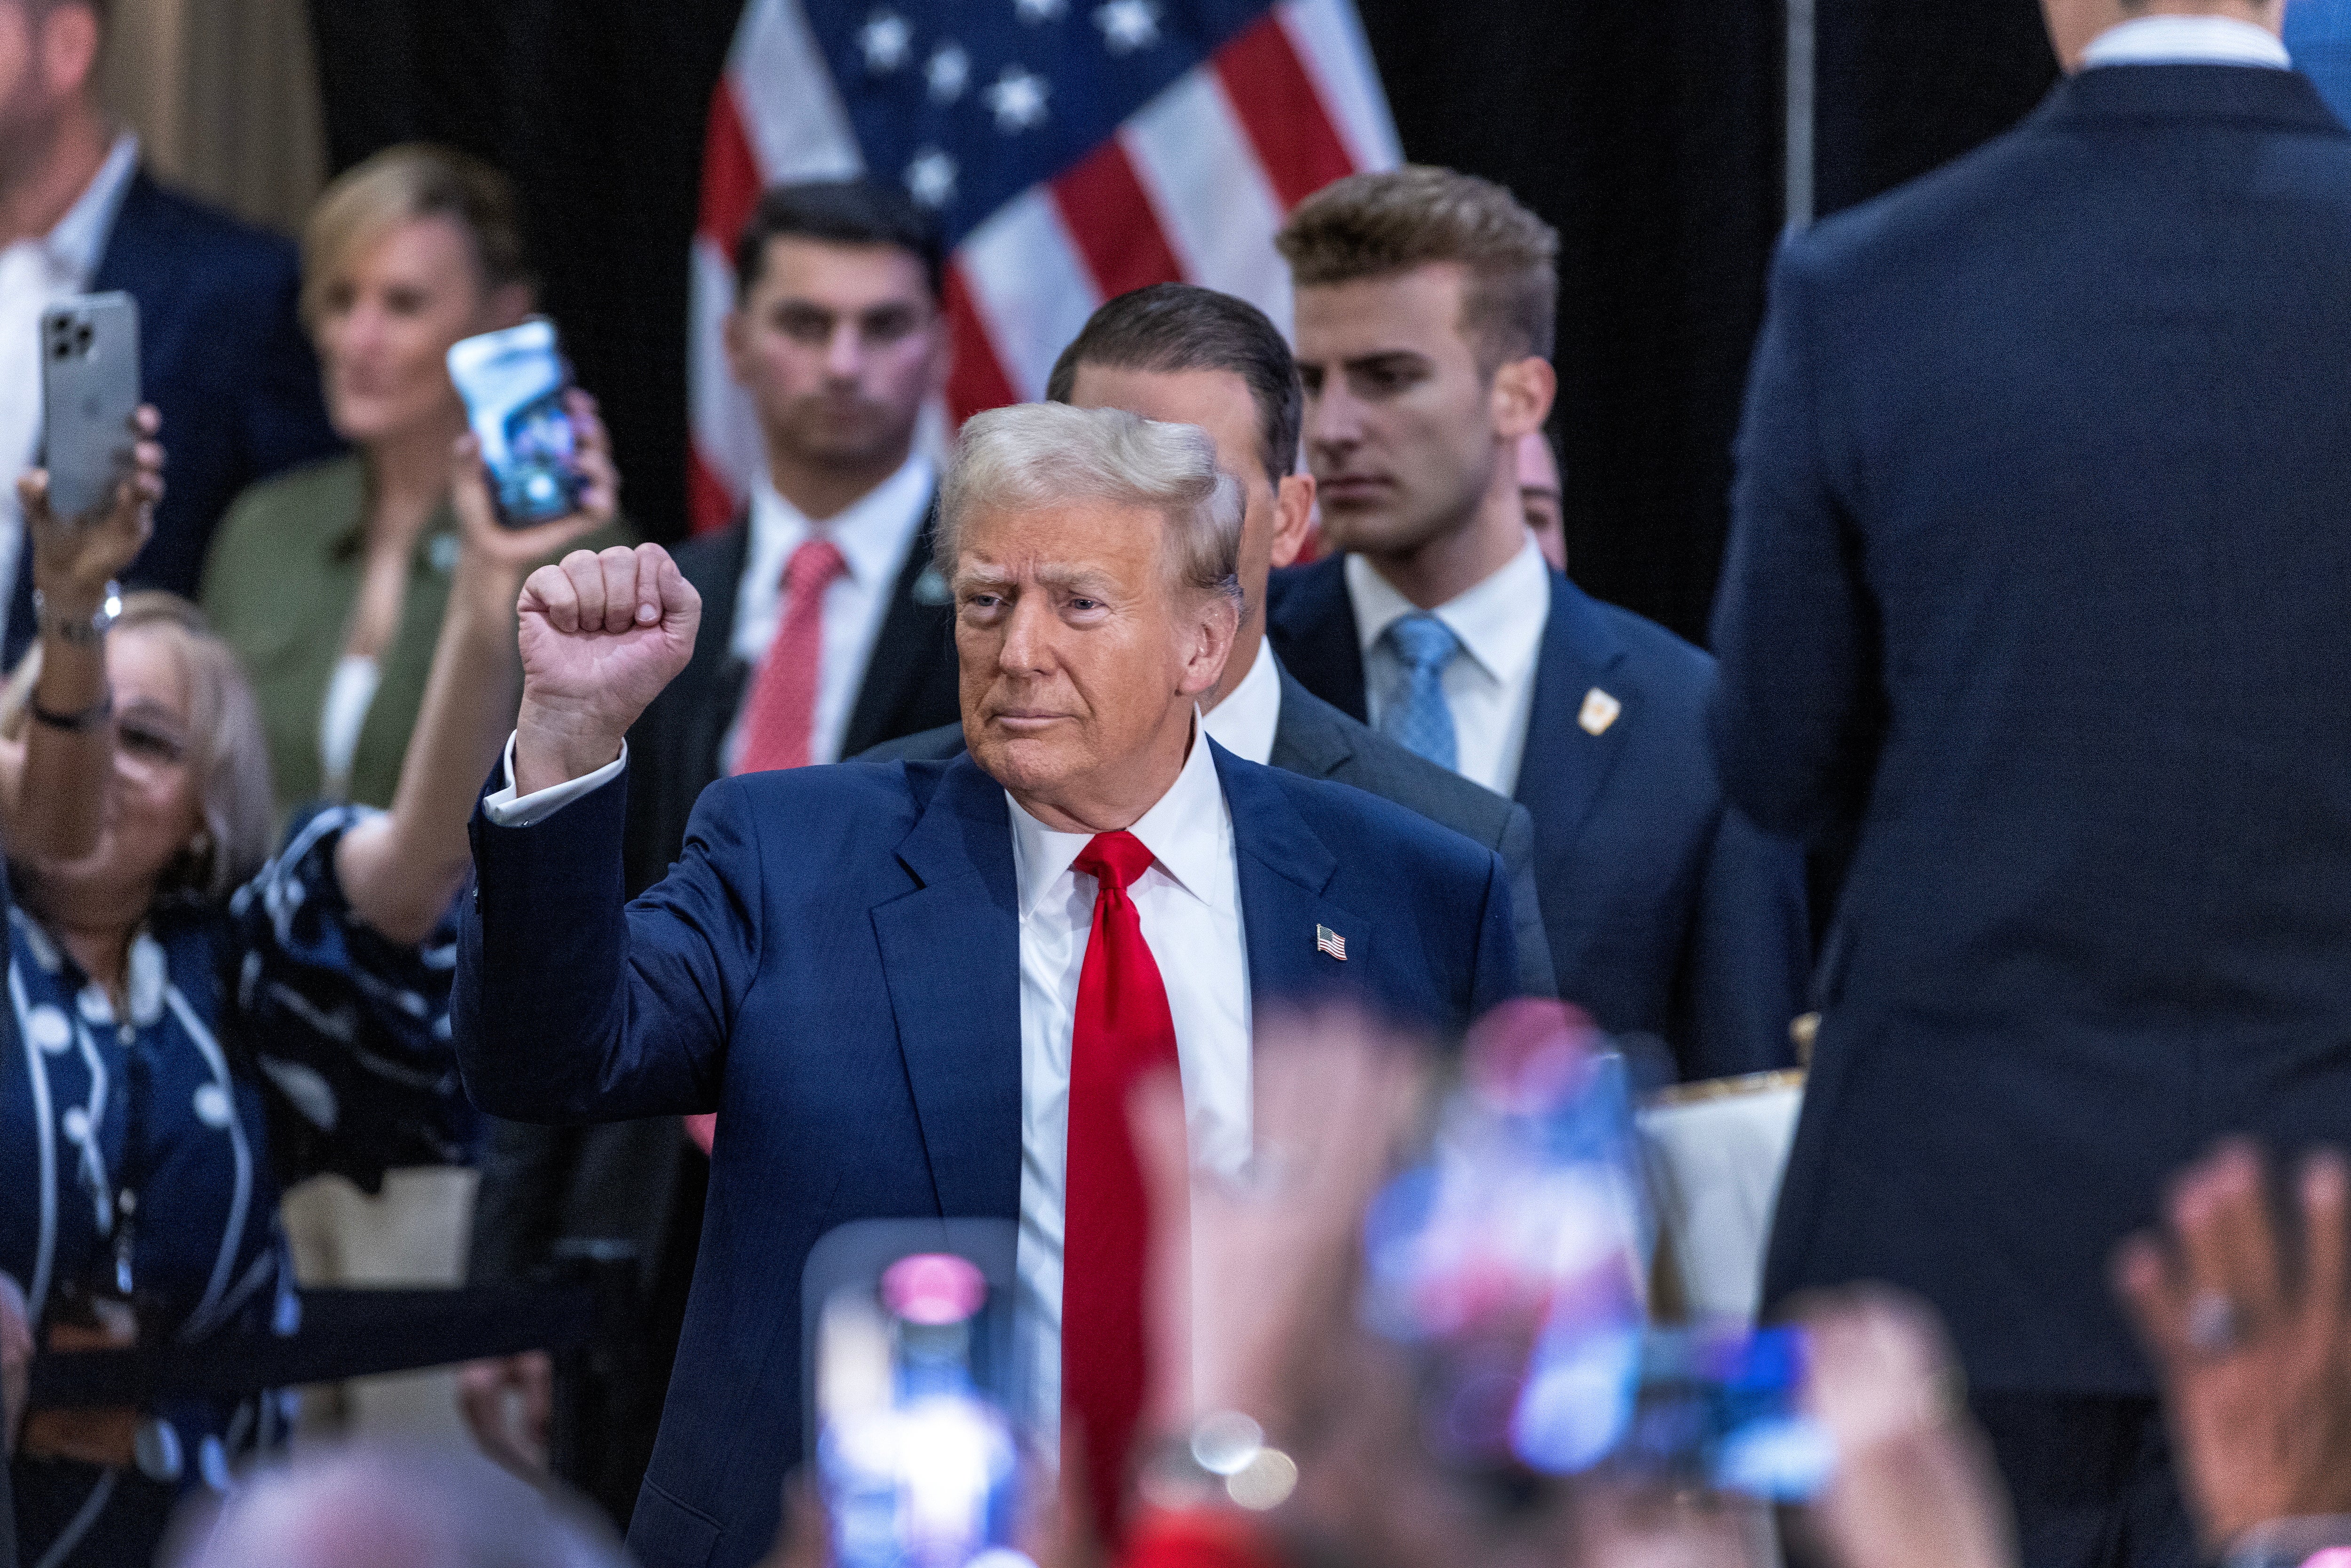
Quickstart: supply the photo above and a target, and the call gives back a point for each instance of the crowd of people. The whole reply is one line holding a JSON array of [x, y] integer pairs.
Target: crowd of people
[[1223, 741]]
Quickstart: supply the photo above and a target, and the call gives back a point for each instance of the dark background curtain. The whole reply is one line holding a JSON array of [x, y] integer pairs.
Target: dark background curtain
[[1648, 134]]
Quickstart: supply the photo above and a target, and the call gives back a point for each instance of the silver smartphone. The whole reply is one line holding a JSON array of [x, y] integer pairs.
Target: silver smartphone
[[89, 390]]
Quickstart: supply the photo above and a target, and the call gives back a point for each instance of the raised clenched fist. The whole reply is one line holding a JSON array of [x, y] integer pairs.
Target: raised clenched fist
[[603, 632]]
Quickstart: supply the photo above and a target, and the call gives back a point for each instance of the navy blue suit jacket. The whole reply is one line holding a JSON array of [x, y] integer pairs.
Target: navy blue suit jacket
[[834, 967], [1668, 913], [222, 358], [2040, 564]]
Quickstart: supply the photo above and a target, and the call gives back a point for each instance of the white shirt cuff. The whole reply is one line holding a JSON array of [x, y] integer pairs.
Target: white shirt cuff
[[505, 810]]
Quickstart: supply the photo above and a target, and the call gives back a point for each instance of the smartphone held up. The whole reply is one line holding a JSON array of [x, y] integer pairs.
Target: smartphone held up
[[89, 394], [513, 383], [1513, 1261]]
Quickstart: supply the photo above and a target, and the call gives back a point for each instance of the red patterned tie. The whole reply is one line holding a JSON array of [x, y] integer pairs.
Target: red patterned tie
[[1123, 1029], [780, 721]]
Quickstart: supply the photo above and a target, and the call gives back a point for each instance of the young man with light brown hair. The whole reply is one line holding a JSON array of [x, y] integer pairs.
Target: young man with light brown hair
[[1426, 308]]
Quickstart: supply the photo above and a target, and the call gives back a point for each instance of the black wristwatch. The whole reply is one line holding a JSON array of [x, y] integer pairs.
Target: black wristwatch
[[88, 718]]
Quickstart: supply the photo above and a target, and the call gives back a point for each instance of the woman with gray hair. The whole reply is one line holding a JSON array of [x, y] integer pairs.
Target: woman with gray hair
[[196, 1028]]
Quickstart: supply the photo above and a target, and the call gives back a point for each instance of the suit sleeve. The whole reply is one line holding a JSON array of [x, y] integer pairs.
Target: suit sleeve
[[1750, 955], [519, 1207], [1495, 977], [1793, 627], [573, 1006], [1537, 977]]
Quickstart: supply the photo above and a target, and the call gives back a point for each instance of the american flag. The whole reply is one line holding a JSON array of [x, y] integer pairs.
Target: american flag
[[1329, 941], [1073, 149]]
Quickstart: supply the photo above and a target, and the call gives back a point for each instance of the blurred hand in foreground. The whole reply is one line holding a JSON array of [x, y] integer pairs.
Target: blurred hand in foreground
[[2241, 1305], [1914, 1485], [507, 1403]]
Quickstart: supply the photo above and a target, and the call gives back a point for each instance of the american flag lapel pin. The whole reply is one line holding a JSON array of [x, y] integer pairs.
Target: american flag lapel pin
[[1329, 941]]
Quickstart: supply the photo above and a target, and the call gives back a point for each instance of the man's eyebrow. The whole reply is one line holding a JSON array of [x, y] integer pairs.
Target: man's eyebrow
[[1388, 359], [1074, 578]]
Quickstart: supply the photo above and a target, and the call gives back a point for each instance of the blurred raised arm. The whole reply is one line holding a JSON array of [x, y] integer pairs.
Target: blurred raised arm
[[55, 803], [401, 870]]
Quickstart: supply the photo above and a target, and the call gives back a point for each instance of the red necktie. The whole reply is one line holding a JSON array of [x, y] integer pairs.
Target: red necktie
[[780, 721], [1123, 1029]]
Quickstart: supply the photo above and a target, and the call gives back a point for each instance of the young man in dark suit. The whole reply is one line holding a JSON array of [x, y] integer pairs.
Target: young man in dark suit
[[1425, 302], [2038, 574], [1191, 355], [838, 336], [221, 355]]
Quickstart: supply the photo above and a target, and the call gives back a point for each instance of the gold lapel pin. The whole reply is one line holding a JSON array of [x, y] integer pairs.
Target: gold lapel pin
[[1599, 711]]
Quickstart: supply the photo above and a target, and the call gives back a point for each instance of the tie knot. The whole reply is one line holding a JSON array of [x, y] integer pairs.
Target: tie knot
[[1114, 859], [1422, 642], [813, 565]]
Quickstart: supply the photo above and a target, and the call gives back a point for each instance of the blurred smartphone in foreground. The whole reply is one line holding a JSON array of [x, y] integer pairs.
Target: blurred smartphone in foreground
[[914, 1390], [89, 390], [513, 383], [1514, 1262]]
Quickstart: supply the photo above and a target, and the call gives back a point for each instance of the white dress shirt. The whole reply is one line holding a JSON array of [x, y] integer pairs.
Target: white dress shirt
[[2186, 40], [873, 533], [1189, 906], [36, 274], [1244, 723], [1491, 684]]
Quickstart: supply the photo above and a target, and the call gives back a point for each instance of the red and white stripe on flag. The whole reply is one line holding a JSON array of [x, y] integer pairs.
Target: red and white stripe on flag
[[1192, 186]]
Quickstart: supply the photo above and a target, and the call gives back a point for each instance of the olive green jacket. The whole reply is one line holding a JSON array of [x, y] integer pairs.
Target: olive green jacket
[[283, 573]]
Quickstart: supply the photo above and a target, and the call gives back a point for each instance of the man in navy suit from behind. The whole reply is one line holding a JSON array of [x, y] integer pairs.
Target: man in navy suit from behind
[[1426, 308], [2039, 570], [220, 353], [883, 977]]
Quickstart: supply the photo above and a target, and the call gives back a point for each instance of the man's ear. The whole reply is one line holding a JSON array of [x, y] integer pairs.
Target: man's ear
[[508, 304], [1293, 517], [1211, 643], [70, 38], [735, 337], [942, 352], [1521, 396]]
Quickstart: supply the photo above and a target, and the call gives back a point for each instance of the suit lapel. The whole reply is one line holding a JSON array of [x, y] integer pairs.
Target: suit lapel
[[1304, 741], [1313, 623], [721, 674], [951, 958], [908, 644], [1565, 764], [1284, 869]]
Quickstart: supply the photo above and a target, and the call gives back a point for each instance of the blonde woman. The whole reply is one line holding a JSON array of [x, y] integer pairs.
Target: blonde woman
[[195, 1027], [330, 583]]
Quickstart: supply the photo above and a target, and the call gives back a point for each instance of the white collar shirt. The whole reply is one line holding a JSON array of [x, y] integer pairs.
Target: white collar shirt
[[873, 533], [1491, 684], [1245, 722], [2186, 40], [36, 274], [1189, 903]]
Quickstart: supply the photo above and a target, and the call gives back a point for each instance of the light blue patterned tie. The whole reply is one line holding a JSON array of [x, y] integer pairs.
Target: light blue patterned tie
[[1416, 716]]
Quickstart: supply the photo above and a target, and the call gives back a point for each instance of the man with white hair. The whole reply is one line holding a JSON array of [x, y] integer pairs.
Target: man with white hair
[[923, 989]]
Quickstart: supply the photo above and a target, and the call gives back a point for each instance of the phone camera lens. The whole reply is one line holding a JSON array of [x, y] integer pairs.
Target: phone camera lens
[[82, 335]]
